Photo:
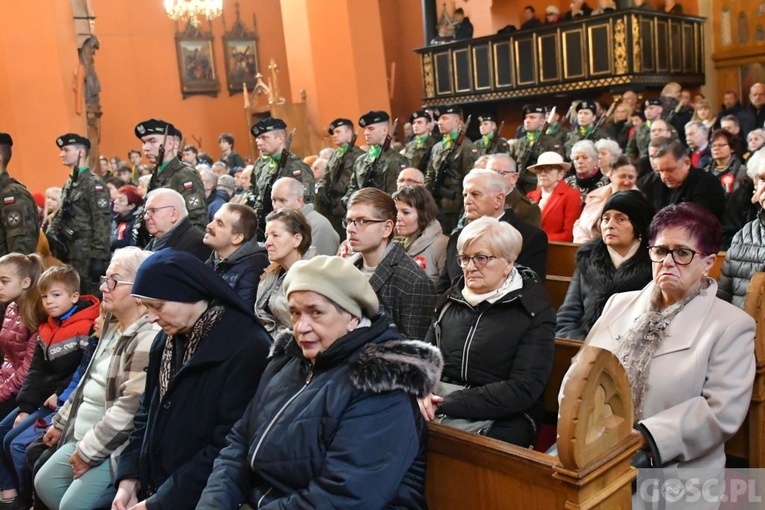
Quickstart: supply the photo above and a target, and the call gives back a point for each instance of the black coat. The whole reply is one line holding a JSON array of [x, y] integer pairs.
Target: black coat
[[176, 440], [242, 269], [185, 237], [699, 187], [595, 279], [533, 252], [345, 432], [503, 350]]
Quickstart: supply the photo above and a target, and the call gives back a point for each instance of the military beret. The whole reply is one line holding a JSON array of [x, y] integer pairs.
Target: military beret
[[638, 113], [486, 117], [266, 125], [72, 139], [533, 108], [5, 139], [156, 127], [587, 105], [339, 122], [420, 114], [450, 109], [655, 101], [373, 117]]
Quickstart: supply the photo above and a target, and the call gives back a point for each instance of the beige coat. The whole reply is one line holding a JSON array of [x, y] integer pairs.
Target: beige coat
[[429, 250], [701, 376]]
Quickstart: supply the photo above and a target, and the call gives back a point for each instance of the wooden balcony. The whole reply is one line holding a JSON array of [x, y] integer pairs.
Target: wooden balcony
[[628, 49]]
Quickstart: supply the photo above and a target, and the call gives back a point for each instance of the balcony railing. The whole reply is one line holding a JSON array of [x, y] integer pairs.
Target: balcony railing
[[626, 49]]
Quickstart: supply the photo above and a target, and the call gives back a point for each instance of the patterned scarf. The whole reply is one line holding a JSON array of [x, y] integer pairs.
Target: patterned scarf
[[486, 139], [167, 369], [420, 141], [271, 161], [531, 136], [374, 151], [449, 139], [584, 131], [638, 345]]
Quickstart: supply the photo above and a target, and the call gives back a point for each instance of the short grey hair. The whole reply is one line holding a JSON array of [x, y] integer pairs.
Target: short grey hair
[[504, 240], [609, 145], [754, 164], [698, 125], [494, 182], [505, 157], [209, 177], [294, 186], [326, 152], [584, 146], [175, 199], [130, 259]]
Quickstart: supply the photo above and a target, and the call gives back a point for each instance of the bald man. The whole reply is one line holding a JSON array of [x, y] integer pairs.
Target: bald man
[[753, 116]]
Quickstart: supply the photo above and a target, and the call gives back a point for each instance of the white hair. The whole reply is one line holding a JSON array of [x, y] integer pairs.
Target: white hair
[[130, 258], [584, 146], [609, 145]]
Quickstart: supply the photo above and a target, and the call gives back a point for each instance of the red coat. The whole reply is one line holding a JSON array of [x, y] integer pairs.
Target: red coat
[[18, 345], [560, 212]]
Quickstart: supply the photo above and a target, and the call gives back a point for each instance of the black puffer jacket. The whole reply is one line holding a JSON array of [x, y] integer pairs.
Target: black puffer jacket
[[503, 350], [745, 257], [345, 432], [595, 280]]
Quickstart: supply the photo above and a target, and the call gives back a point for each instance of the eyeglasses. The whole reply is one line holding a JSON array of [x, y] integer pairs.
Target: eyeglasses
[[151, 211], [719, 145], [111, 282], [360, 223], [681, 256], [409, 182], [479, 261]]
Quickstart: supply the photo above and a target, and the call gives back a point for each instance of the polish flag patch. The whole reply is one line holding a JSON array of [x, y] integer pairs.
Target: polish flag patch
[[99, 187], [297, 173], [9, 200], [188, 185]]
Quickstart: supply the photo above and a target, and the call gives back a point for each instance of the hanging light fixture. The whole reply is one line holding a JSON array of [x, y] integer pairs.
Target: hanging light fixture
[[193, 10]]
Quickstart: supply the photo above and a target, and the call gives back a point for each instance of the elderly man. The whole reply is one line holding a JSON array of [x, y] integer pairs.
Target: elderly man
[[697, 139], [676, 181], [753, 115], [525, 209], [484, 195], [214, 197], [287, 194], [409, 177], [167, 220], [237, 257]]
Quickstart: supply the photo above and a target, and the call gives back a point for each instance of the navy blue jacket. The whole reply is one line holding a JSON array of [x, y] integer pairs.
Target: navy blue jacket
[[345, 432], [242, 269]]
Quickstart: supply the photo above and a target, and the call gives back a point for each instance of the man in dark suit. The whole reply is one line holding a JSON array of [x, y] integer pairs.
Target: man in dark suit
[[484, 195], [168, 223]]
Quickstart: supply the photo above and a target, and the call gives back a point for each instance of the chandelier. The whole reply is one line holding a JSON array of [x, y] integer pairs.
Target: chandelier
[[193, 10]]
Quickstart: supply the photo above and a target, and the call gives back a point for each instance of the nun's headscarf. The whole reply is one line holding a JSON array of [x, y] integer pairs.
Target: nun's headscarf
[[173, 275]]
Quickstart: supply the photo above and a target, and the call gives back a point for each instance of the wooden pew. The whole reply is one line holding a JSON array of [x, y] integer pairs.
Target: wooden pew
[[592, 469]]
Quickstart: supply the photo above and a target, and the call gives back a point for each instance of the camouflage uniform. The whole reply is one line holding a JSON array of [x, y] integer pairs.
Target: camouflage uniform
[[638, 145], [485, 146], [579, 134], [267, 171], [527, 181], [418, 151], [83, 225], [389, 166], [20, 226], [185, 180], [334, 184], [524, 208], [559, 134], [455, 161]]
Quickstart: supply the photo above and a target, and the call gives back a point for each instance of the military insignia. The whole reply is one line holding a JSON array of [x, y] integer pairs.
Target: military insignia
[[140, 128], [188, 185], [99, 187], [474, 151], [102, 203], [9, 200], [13, 219], [194, 202], [60, 141], [297, 172]]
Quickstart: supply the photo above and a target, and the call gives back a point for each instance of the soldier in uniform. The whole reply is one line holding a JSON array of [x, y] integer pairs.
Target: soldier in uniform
[[556, 129], [524, 208], [417, 151], [377, 168], [171, 172], [451, 160], [527, 149], [638, 145], [19, 221], [586, 115], [337, 175], [79, 232], [271, 138], [490, 142]]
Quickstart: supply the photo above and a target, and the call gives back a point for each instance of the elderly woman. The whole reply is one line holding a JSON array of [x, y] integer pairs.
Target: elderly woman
[[689, 356], [614, 261], [623, 178], [725, 164], [350, 382], [93, 425], [608, 152], [560, 204], [587, 175], [495, 330], [418, 230], [288, 239], [754, 142], [204, 367], [126, 208]]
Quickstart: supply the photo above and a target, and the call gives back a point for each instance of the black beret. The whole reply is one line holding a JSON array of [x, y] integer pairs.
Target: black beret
[[450, 109], [639, 113], [339, 122], [72, 139], [655, 101], [156, 127], [420, 114], [5, 139], [587, 105], [533, 108], [266, 125], [373, 117], [487, 116]]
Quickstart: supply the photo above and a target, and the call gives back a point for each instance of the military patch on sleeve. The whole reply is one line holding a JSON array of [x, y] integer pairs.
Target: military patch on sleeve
[[102, 203], [13, 219], [99, 188], [193, 202], [297, 172], [9, 200], [188, 185], [474, 151]]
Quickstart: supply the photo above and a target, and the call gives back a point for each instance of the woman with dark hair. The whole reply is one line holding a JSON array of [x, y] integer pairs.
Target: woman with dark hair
[[418, 230], [288, 239], [689, 356], [725, 164], [126, 208], [615, 261]]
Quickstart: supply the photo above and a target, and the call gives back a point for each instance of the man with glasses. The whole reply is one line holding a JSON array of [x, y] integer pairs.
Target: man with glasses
[[405, 292], [409, 177], [524, 208], [676, 181], [168, 223]]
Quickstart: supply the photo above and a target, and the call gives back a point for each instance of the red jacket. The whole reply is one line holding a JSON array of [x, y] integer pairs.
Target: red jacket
[[560, 212], [18, 345]]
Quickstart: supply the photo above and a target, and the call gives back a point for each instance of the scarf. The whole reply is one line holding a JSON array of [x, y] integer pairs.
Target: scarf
[[584, 131], [617, 259], [420, 141], [486, 139], [449, 139], [513, 282], [169, 366], [374, 151], [531, 136], [638, 345]]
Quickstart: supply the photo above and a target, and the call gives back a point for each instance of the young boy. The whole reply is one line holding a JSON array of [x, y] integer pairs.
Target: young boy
[[60, 345]]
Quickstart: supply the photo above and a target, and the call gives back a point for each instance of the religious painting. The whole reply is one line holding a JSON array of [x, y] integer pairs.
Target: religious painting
[[196, 63], [240, 50]]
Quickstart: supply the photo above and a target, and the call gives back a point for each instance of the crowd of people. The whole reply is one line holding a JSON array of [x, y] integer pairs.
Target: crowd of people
[[161, 354]]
